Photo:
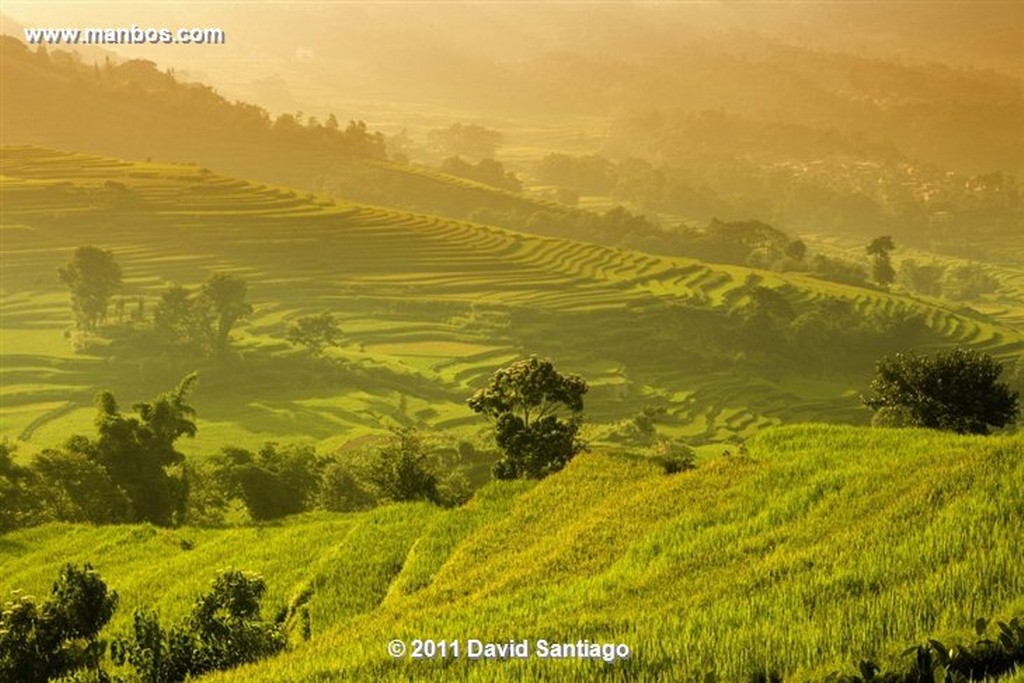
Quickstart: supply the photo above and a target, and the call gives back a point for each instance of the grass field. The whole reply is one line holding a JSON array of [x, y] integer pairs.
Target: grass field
[[429, 306], [819, 547]]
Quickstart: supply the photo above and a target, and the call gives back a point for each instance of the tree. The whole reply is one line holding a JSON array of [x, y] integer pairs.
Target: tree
[[60, 637], [402, 471], [796, 250], [922, 279], [525, 401], [71, 487], [226, 293], [182, 320], [93, 276], [881, 266], [18, 502], [315, 332], [273, 483], [958, 391], [137, 452]]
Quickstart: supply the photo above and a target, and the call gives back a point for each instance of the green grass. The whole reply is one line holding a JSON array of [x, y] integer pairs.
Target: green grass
[[820, 546]]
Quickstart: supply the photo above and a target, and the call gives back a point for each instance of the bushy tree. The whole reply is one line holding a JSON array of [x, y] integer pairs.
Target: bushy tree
[[275, 482], [93, 276], [527, 401], [958, 391], [185, 321], [401, 470], [922, 278], [315, 332], [341, 491], [138, 452], [71, 487], [18, 502], [39, 643], [226, 293]]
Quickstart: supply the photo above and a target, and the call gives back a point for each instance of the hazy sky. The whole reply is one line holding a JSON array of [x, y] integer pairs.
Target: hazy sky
[[314, 55]]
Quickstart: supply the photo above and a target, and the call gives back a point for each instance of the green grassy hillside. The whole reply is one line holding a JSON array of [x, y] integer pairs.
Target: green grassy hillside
[[430, 307], [820, 546]]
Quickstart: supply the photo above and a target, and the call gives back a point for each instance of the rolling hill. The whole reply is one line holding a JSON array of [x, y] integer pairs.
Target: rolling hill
[[819, 547], [429, 306], [134, 110]]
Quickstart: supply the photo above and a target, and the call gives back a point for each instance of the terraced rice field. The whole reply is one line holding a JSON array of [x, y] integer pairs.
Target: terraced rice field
[[819, 548], [429, 307]]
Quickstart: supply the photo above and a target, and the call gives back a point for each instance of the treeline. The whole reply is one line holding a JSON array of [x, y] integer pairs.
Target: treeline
[[127, 107], [486, 171], [131, 471], [860, 195], [958, 283], [747, 243], [827, 333], [142, 78]]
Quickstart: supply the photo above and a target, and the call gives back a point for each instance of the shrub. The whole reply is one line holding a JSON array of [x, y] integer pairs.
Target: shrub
[[224, 630], [60, 637]]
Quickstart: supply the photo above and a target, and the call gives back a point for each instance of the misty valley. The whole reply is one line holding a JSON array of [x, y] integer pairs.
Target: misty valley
[[676, 342]]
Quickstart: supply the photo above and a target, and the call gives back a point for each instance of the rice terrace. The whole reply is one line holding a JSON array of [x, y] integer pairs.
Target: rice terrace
[[659, 343]]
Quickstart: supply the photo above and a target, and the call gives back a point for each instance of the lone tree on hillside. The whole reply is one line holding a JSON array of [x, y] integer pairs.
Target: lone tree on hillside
[[958, 391], [93, 276], [226, 293], [881, 265], [524, 400], [315, 332]]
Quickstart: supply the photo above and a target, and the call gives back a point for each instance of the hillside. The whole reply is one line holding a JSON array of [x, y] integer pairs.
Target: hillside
[[430, 307], [821, 546], [135, 110]]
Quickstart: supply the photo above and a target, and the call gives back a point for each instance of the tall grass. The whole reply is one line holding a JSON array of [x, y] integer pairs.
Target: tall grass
[[820, 546]]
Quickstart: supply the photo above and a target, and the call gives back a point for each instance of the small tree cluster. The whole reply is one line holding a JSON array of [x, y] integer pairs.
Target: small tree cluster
[[524, 401], [277, 481], [129, 472], [959, 283], [202, 320], [225, 629], [59, 639], [821, 331]]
